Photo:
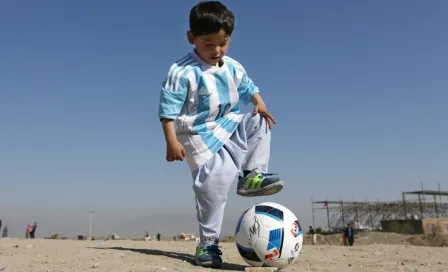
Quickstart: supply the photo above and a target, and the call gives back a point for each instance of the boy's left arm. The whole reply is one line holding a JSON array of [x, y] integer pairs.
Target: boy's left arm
[[248, 91], [262, 109]]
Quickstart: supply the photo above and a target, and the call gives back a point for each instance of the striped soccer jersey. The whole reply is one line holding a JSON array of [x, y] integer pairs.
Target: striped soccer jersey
[[204, 102]]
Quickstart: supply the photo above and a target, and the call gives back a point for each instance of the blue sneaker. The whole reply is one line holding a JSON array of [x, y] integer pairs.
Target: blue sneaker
[[257, 183], [208, 255]]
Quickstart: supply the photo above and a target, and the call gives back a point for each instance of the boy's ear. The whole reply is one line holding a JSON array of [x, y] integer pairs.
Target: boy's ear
[[190, 37]]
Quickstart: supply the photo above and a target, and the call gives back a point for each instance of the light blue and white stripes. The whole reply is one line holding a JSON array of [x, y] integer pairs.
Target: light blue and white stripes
[[178, 70], [204, 101]]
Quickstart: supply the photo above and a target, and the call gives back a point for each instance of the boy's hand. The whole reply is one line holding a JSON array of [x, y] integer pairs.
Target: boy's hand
[[260, 108], [175, 151]]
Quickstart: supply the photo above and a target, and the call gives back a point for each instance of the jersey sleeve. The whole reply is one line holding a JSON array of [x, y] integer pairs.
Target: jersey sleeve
[[246, 87], [173, 94]]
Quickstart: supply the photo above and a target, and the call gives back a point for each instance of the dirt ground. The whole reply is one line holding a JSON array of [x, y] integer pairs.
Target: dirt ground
[[368, 238], [40, 255]]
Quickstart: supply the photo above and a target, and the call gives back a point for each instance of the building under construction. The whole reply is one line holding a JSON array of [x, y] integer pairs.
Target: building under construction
[[373, 215]]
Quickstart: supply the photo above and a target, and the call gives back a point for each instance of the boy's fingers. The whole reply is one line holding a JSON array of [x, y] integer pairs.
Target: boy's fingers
[[268, 121], [181, 155], [271, 117]]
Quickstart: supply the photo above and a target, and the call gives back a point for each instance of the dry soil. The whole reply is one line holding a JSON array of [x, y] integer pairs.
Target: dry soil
[[40, 255]]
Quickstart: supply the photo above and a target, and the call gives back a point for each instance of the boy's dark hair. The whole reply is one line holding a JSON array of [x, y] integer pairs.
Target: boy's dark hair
[[210, 17]]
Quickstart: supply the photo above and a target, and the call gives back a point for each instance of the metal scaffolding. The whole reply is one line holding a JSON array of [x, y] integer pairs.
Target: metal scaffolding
[[436, 209], [369, 214]]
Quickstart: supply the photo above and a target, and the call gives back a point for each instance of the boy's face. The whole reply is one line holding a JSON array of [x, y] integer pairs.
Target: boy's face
[[211, 48]]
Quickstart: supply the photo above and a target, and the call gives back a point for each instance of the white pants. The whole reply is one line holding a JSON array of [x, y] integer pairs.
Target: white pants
[[248, 148]]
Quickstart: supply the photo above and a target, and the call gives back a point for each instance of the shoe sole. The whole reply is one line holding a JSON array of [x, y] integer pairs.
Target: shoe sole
[[211, 264], [265, 191]]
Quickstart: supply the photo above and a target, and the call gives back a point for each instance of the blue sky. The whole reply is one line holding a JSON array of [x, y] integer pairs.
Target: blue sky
[[359, 90]]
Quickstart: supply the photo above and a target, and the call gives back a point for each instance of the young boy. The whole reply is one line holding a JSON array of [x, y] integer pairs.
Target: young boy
[[201, 94]]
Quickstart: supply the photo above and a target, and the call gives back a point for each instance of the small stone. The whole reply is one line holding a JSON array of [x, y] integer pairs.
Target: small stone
[[30, 246], [163, 269], [96, 265], [349, 264]]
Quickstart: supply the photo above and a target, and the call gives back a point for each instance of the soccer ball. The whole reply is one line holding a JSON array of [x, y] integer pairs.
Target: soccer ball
[[268, 234]]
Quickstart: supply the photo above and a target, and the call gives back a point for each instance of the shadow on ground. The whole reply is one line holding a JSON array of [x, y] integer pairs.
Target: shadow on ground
[[174, 255]]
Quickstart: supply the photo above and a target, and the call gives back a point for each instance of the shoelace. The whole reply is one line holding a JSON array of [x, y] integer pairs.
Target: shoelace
[[212, 250], [263, 174]]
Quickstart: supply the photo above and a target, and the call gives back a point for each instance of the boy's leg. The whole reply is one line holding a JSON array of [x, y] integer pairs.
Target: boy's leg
[[248, 147], [253, 137], [212, 182]]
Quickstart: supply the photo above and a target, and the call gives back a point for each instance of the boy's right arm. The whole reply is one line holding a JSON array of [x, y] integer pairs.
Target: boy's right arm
[[174, 150], [172, 98]]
